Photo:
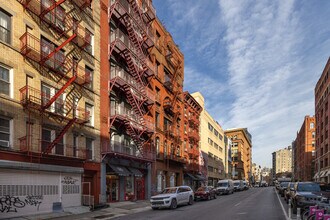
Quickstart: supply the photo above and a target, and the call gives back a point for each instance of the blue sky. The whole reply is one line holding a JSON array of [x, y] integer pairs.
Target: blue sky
[[255, 62]]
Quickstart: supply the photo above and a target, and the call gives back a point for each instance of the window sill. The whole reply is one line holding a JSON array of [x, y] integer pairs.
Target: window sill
[[9, 45], [8, 98]]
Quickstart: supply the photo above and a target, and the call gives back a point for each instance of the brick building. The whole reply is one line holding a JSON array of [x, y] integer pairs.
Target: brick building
[[304, 151], [127, 97], [322, 166], [241, 153], [49, 101], [168, 84], [191, 115]]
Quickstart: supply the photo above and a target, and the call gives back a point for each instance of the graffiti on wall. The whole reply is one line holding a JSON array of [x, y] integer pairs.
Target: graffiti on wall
[[12, 203], [69, 180]]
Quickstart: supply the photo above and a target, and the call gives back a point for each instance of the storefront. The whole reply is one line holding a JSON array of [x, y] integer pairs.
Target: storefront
[[125, 183], [193, 180]]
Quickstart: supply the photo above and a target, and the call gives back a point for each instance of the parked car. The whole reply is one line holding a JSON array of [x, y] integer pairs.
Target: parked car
[[172, 197], [287, 191], [263, 184], [245, 185], [225, 187], [238, 185], [205, 193], [305, 194], [282, 187]]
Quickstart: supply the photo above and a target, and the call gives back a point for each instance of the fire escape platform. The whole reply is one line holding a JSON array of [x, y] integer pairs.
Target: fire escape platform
[[130, 119], [33, 100]]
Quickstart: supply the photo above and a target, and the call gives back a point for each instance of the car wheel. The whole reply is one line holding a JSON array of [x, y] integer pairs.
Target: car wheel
[[173, 204], [208, 197], [191, 201], [215, 196], [154, 208]]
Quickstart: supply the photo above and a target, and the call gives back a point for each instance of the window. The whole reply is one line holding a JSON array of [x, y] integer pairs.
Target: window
[[4, 80], [158, 68], [311, 125], [5, 26], [4, 132], [90, 110], [57, 60], [220, 137], [90, 48], [89, 75], [157, 120], [216, 133], [75, 146], [89, 148], [210, 127], [313, 134], [157, 146]]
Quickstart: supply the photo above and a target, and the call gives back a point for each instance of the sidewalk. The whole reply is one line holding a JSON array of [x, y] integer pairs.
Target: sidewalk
[[115, 210]]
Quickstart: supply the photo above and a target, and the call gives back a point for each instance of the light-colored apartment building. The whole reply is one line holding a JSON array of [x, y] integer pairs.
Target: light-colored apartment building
[[49, 104], [283, 160], [212, 144]]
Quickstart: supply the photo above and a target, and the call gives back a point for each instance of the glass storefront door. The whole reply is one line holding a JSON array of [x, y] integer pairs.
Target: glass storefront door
[[112, 188]]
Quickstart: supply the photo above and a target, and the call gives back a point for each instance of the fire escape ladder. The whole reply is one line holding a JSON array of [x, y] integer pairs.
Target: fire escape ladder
[[132, 66], [71, 98], [138, 14], [59, 92], [58, 48], [52, 7], [59, 136], [133, 100], [136, 137], [133, 36]]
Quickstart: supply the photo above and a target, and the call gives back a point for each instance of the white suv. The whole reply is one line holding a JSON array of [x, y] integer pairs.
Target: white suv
[[172, 197]]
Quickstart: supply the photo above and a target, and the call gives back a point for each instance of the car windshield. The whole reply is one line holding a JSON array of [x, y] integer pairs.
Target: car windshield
[[169, 190], [308, 187], [236, 183], [284, 184], [200, 189], [224, 184]]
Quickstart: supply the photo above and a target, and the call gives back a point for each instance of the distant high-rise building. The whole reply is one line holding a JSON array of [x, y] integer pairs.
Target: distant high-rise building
[[241, 152], [282, 160], [322, 113], [304, 150]]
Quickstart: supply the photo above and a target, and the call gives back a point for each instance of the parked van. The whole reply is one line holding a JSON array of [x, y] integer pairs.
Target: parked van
[[238, 185], [225, 187]]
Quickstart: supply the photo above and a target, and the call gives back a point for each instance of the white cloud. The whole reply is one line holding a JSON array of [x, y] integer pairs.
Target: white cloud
[[261, 40]]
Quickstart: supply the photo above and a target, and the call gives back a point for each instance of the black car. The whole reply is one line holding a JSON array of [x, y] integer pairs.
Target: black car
[[282, 187], [305, 194]]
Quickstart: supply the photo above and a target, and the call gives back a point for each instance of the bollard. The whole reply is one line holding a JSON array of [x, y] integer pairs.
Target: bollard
[[298, 213], [289, 208]]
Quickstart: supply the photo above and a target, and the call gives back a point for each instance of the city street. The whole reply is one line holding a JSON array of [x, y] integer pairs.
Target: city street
[[255, 203]]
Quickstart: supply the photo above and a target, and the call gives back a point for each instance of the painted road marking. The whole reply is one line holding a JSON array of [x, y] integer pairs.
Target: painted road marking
[[279, 200], [238, 204]]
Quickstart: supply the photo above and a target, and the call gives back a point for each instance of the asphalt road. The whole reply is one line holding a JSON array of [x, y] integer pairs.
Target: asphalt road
[[254, 204]]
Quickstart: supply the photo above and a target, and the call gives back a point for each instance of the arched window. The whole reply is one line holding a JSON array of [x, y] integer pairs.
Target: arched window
[[165, 148], [157, 145]]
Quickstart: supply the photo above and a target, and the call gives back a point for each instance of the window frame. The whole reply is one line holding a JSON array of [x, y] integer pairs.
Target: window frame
[[10, 80], [10, 141], [8, 29]]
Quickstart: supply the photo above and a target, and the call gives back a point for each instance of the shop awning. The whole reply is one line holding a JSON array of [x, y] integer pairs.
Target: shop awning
[[120, 170], [191, 176], [316, 175], [135, 172], [200, 177]]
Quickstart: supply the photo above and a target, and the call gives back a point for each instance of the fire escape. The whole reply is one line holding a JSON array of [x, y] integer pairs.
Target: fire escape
[[171, 105], [133, 50], [51, 61]]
